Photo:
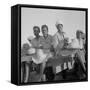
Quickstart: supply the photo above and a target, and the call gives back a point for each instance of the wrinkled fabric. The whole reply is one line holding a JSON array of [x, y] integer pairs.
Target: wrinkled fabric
[[26, 58], [58, 40], [77, 44], [63, 61], [81, 56], [46, 42], [40, 56], [36, 42]]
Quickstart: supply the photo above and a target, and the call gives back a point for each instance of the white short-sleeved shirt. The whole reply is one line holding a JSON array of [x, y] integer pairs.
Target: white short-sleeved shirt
[[77, 44]]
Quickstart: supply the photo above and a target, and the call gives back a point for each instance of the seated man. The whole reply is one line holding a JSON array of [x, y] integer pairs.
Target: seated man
[[78, 43], [46, 43]]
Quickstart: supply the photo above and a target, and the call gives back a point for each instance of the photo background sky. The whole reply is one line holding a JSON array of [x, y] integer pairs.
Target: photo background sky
[[71, 20]]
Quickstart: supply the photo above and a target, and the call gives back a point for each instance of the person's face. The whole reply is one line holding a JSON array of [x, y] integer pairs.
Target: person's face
[[36, 32], [60, 27], [79, 35], [45, 31]]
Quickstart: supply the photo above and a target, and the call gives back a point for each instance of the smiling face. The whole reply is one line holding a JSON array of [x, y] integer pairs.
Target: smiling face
[[36, 31]]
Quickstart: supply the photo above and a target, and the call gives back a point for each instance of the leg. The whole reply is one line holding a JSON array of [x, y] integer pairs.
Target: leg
[[80, 66], [81, 58], [26, 72], [42, 67], [22, 72]]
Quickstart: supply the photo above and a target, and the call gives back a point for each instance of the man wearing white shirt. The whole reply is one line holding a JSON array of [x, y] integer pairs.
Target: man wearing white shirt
[[79, 44]]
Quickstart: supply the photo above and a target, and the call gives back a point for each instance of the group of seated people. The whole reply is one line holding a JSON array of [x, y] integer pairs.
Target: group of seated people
[[36, 54]]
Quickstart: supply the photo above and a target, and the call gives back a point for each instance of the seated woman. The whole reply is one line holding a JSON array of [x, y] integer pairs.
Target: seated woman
[[39, 57], [31, 63]]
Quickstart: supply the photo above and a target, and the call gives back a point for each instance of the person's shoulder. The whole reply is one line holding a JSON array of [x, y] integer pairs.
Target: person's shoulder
[[50, 35], [55, 35], [41, 37], [75, 40], [65, 35], [33, 40]]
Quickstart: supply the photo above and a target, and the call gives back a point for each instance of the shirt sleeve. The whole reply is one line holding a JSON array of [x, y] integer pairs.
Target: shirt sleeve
[[75, 44]]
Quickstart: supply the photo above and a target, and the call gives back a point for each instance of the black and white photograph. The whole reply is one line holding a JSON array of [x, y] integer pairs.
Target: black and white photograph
[[53, 45], [44, 44]]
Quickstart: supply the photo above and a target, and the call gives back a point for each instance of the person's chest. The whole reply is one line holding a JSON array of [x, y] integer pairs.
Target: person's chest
[[46, 41], [36, 42], [60, 36]]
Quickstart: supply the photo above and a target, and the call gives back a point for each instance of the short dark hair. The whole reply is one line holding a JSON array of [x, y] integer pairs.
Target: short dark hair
[[44, 26], [36, 27]]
